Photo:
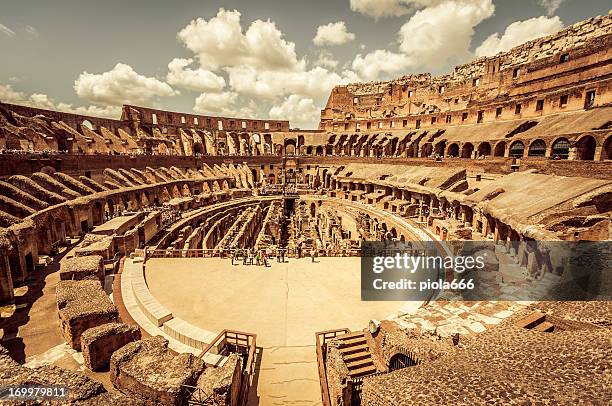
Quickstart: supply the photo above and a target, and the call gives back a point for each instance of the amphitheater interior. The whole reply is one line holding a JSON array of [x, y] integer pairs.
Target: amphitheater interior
[[124, 243]]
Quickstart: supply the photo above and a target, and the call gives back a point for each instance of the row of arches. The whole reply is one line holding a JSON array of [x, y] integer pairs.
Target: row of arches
[[584, 149]]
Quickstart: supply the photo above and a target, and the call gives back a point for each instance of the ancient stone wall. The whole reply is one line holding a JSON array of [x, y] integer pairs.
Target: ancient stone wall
[[100, 342]]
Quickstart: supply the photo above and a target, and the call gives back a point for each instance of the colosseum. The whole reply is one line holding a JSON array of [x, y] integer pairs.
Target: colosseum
[[168, 258]]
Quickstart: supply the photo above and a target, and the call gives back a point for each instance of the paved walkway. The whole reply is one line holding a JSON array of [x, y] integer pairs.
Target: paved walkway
[[284, 304]]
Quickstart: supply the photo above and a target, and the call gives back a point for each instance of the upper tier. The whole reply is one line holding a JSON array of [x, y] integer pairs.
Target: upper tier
[[569, 70]]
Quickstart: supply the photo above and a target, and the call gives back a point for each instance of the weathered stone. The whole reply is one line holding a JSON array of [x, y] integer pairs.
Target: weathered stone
[[147, 370], [99, 343], [82, 305], [78, 268], [222, 384]]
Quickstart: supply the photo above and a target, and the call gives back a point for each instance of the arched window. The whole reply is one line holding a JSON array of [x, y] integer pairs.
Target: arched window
[[500, 149], [466, 151], [537, 148], [560, 149], [586, 148], [517, 149], [401, 361], [484, 149]]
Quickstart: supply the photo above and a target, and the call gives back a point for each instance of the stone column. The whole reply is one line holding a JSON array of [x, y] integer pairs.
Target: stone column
[[6, 281]]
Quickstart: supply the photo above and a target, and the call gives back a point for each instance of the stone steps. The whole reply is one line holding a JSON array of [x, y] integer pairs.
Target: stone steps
[[356, 354]]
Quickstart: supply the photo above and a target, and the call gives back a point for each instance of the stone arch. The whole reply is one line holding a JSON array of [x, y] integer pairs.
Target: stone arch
[[97, 213], [537, 148], [290, 147], [175, 192], [440, 148], [453, 150], [109, 208], [309, 150], [484, 149], [517, 149], [400, 361], [186, 190], [500, 149], [560, 148], [144, 200], [198, 148], [59, 230], [319, 151], [165, 195], [426, 150], [271, 178], [467, 150], [606, 151], [585, 148]]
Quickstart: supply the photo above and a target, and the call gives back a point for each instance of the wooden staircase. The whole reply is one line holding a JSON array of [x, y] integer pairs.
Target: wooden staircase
[[356, 354]]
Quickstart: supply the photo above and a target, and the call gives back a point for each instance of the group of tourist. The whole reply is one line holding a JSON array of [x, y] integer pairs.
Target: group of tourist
[[255, 257], [252, 256]]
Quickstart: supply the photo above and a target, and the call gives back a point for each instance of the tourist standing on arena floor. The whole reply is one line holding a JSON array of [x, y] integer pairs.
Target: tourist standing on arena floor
[[313, 252]]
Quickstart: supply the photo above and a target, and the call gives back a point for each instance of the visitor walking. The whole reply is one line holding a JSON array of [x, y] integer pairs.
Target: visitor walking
[[313, 253], [264, 258]]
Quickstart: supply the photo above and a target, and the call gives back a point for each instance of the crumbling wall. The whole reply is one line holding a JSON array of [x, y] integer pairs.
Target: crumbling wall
[[99, 343]]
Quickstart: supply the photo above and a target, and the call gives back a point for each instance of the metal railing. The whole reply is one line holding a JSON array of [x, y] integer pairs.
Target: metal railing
[[225, 253]]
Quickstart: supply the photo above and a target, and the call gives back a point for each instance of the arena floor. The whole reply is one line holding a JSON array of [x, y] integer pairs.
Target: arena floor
[[284, 304]]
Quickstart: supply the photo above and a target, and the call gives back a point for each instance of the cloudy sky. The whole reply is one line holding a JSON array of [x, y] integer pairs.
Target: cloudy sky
[[274, 59]]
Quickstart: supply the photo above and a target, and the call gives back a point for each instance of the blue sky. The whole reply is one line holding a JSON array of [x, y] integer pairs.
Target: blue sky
[[266, 59]]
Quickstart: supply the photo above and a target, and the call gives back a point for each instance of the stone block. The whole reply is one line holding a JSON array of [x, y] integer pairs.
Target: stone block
[[82, 305], [79, 268], [222, 384], [99, 343], [148, 370]]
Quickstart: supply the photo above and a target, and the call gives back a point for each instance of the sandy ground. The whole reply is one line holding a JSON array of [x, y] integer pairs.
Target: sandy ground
[[284, 304]]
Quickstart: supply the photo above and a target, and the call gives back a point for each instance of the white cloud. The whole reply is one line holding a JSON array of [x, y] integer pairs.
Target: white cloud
[[31, 30], [326, 60], [121, 85], [389, 8], [315, 83], [381, 61], [42, 101], [298, 110], [550, 5], [333, 34], [215, 103], [9, 95], [443, 33], [199, 79], [221, 42], [432, 37], [7, 31], [517, 33]]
